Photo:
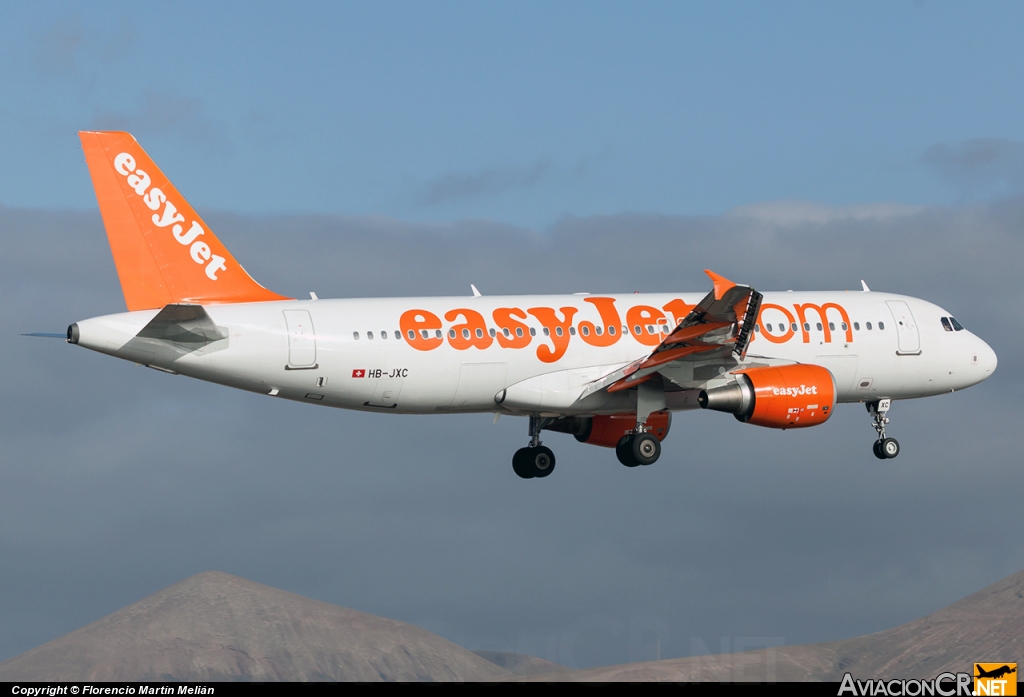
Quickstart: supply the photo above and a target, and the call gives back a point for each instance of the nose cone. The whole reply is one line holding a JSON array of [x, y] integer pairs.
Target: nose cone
[[980, 359], [987, 359]]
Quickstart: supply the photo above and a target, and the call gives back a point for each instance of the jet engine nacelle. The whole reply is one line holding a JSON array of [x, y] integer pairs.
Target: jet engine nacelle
[[788, 396], [607, 431]]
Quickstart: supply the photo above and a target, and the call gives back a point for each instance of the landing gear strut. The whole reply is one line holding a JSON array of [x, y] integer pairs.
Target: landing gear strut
[[640, 446], [535, 460], [884, 448]]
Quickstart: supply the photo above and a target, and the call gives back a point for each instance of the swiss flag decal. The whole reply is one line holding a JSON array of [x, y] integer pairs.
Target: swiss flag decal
[[359, 373]]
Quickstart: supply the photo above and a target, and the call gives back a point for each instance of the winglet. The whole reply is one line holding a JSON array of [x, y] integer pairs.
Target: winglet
[[163, 251], [722, 284], [864, 286]]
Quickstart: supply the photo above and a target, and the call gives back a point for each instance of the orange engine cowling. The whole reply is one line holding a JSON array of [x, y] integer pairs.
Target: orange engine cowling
[[607, 431], [787, 396]]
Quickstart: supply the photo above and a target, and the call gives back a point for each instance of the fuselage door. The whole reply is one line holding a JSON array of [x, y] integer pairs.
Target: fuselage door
[[301, 340], [906, 328]]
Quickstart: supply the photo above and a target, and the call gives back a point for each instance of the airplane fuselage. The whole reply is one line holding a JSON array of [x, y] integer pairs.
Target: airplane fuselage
[[536, 354]]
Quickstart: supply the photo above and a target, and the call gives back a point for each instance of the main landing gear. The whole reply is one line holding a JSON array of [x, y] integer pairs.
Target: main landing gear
[[534, 460], [884, 448], [640, 446], [635, 449]]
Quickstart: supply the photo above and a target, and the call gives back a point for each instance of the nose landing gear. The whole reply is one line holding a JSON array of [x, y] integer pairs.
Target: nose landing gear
[[534, 460], [884, 448]]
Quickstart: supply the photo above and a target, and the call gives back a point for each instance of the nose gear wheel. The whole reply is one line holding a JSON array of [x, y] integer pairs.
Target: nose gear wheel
[[884, 448]]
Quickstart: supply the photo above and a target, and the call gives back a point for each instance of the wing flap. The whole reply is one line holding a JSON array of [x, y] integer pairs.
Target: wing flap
[[720, 325]]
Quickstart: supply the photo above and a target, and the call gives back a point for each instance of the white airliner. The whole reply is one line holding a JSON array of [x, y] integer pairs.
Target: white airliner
[[608, 369]]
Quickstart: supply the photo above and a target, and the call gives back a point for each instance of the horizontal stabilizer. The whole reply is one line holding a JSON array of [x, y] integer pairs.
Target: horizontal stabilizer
[[183, 324]]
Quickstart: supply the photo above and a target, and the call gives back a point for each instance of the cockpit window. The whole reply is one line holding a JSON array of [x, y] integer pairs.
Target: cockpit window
[[946, 325], [956, 325]]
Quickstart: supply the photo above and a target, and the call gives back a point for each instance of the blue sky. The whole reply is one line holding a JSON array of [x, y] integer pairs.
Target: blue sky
[[521, 113]]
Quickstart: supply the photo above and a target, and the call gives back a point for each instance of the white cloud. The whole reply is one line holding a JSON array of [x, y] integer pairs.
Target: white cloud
[[792, 213]]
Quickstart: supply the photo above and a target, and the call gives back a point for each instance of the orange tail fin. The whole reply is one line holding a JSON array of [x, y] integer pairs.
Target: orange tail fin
[[163, 251]]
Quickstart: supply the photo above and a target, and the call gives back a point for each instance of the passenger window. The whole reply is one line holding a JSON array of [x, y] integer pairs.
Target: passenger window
[[533, 332], [493, 333], [956, 325], [945, 324], [519, 331], [881, 326], [572, 331], [547, 332], [625, 330], [465, 333], [584, 331], [383, 335], [507, 333], [832, 326], [868, 325], [793, 326], [611, 330], [425, 333], [807, 327], [558, 331], [664, 329], [757, 328], [412, 334], [843, 325], [479, 333], [598, 330], [650, 328], [355, 335], [856, 325], [451, 333], [819, 326], [398, 335]]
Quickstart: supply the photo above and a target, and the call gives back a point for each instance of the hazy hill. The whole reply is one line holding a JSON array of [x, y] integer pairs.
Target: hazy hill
[[985, 626], [214, 626], [520, 664]]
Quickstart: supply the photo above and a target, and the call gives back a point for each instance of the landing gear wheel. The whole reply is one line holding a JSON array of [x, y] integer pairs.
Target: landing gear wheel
[[889, 448], [533, 462], [646, 449], [624, 451], [543, 461], [521, 463], [884, 448]]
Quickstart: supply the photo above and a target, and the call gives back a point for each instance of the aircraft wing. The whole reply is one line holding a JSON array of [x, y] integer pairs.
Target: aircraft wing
[[720, 325]]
